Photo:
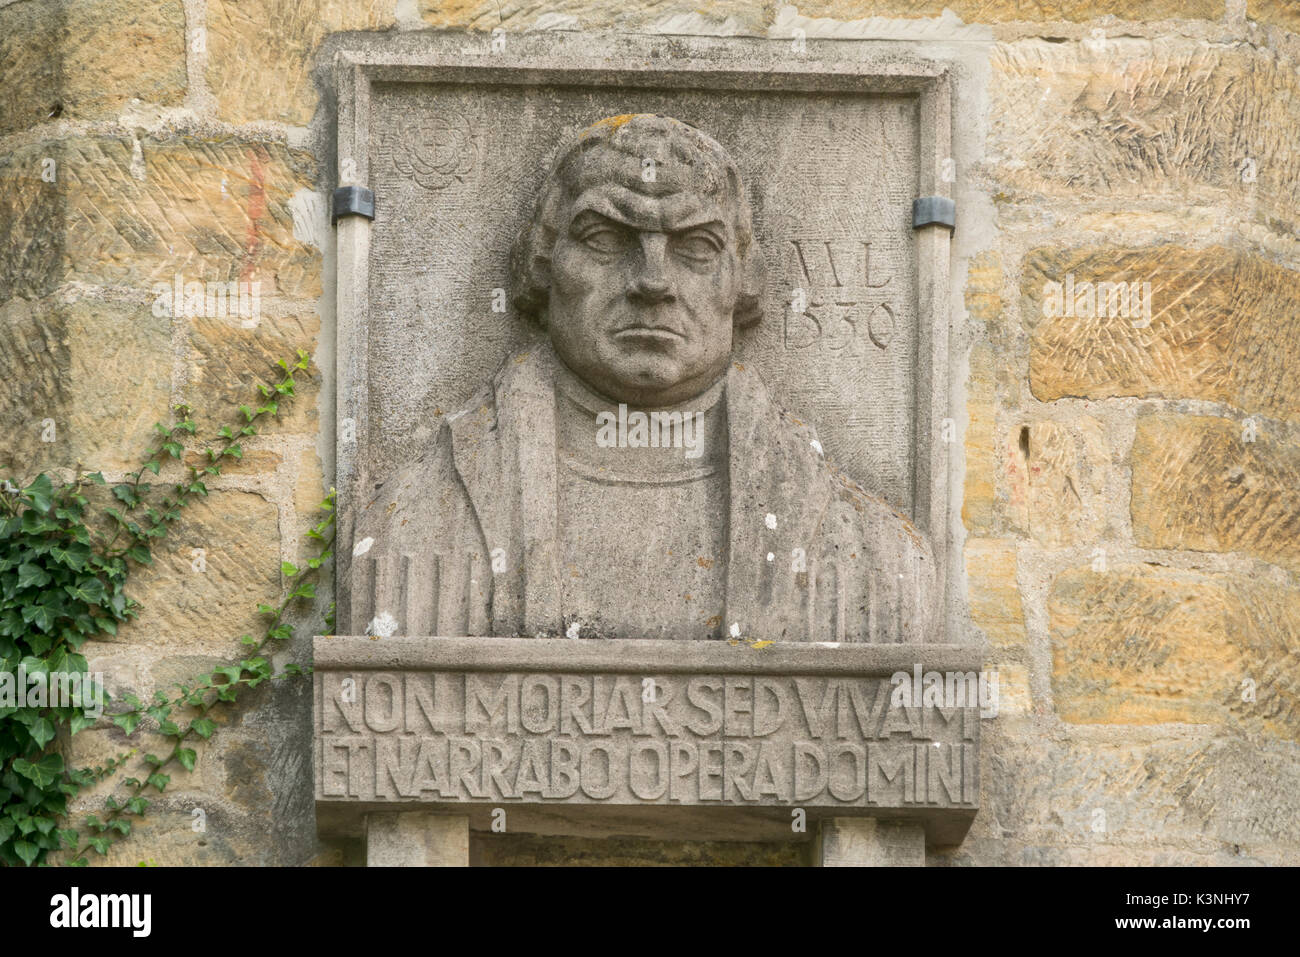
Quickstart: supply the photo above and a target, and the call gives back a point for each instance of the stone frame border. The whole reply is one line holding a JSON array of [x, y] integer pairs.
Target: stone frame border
[[637, 61]]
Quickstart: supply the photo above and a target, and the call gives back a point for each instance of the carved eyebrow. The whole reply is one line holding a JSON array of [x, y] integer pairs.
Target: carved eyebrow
[[594, 217], [709, 225]]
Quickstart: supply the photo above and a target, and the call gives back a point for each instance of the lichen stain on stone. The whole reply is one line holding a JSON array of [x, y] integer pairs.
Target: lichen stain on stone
[[610, 123]]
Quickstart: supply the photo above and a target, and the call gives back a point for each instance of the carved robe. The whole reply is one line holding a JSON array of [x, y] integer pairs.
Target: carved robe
[[464, 541]]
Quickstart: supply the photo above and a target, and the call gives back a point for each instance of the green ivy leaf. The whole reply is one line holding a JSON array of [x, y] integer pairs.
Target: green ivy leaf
[[100, 844], [42, 616], [43, 772], [27, 851], [187, 757], [203, 727], [32, 576], [42, 731], [80, 722], [90, 590], [40, 493], [127, 721]]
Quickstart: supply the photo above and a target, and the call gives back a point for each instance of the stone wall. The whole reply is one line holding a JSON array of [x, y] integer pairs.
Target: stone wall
[[1130, 506]]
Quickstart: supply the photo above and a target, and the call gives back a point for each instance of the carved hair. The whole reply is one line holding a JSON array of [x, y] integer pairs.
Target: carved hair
[[703, 161]]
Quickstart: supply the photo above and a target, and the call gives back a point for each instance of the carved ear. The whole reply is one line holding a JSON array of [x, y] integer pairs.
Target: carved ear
[[530, 272], [753, 279]]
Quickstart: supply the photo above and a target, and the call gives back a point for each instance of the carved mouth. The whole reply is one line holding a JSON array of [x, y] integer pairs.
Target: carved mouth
[[657, 333]]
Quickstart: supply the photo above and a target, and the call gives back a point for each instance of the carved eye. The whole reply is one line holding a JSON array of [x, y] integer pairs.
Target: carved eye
[[696, 246], [606, 239]]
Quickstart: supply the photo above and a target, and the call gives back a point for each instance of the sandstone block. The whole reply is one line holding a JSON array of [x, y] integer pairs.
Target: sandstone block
[[82, 383], [260, 53], [227, 361], [979, 497], [1199, 484], [206, 210], [748, 16], [1057, 480], [1276, 12], [85, 59], [1217, 324], [1139, 644], [32, 210], [1010, 11], [1138, 119], [1192, 797], [218, 562]]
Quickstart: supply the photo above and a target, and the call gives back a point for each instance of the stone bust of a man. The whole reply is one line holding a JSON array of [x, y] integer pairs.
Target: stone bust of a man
[[623, 477]]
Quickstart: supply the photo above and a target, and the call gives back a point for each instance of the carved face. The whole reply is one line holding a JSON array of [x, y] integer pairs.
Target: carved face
[[644, 279]]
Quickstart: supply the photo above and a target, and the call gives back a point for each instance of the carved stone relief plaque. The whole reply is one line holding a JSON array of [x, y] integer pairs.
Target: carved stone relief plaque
[[642, 351]]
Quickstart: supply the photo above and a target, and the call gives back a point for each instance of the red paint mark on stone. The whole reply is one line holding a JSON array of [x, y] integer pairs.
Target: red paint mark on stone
[[257, 163], [1017, 478]]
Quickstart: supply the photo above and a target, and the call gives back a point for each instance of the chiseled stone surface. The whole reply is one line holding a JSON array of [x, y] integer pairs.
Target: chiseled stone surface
[[1138, 644], [81, 382], [227, 361], [1219, 325], [210, 210], [32, 210], [86, 59], [752, 16], [1078, 797], [1281, 13], [726, 16], [1200, 484], [216, 565], [1001, 11], [260, 53], [1057, 481], [1142, 119]]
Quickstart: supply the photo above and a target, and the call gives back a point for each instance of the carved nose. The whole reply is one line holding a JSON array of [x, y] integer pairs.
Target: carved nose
[[649, 283]]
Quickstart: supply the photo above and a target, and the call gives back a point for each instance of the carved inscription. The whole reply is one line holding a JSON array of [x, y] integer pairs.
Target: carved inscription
[[839, 301], [624, 739]]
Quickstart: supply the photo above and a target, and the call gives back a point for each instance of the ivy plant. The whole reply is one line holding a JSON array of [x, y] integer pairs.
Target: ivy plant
[[64, 568]]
